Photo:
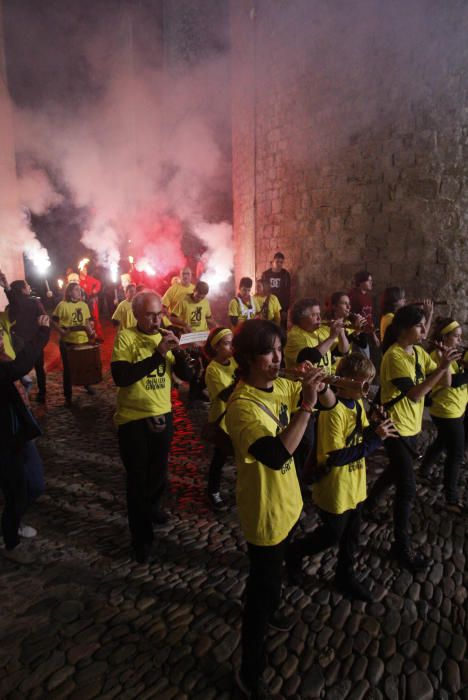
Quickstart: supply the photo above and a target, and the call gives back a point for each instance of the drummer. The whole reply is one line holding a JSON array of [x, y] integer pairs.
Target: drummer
[[72, 319]]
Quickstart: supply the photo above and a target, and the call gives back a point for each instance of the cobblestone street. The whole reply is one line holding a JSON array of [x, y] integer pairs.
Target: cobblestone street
[[85, 621]]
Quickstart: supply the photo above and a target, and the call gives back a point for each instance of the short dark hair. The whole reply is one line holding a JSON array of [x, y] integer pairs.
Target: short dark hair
[[297, 311], [17, 286], [201, 287], [336, 296], [245, 282], [254, 337], [361, 277], [278, 256], [390, 297]]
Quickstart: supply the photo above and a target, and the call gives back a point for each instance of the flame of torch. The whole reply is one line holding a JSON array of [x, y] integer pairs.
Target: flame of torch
[[82, 264], [60, 283], [130, 259]]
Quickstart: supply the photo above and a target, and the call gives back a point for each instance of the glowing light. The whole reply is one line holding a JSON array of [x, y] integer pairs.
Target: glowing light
[[144, 265], [130, 259], [114, 271], [60, 283], [39, 257], [82, 264], [215, 279]]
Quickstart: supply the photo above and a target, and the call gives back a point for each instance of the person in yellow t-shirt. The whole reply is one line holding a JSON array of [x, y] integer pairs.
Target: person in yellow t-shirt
[[267, 305], [344, 439], [447, 409], [354, 326], [193, 312], [220, 382], [242, 307], [266, 418], [123, 315], [407, 374], [309, 340], [179, 290], [393, 298], [72, 319], [5, 327], [141, 365]]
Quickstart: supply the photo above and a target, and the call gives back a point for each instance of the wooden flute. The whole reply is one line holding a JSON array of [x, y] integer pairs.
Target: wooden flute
[[297, 374]]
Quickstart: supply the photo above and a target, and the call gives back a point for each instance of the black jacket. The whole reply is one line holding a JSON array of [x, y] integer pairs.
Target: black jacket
[[17, 424]]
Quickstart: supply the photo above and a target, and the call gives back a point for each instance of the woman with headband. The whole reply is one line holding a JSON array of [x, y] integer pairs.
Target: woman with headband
[[407, 374], [220, 382], [447, 412]]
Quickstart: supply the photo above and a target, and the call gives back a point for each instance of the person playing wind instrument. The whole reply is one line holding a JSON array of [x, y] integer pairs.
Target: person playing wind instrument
[[447, 409]]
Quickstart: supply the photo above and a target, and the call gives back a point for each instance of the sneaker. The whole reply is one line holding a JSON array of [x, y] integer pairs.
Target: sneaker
[[89, 390], [354, 589], [26, 531], [19, 554], [160, 516], [281, 622], [408, 559], [216, 501], [257, 691]]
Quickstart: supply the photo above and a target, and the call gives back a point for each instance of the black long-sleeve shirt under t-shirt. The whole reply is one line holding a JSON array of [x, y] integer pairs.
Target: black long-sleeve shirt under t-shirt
[[127, 373]]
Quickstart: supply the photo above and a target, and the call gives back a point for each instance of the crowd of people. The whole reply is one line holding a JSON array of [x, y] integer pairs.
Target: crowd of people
[[290, 394]]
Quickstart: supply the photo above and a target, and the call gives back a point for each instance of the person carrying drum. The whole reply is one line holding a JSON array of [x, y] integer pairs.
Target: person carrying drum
[[72, 319]]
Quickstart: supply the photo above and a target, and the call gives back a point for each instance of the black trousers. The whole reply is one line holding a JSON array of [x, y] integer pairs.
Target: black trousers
[[14, 488], [338, 529], [400, 473], [145, 457], [66, 379], [214, 474], [450, 437], [40, 374], [262, 599]]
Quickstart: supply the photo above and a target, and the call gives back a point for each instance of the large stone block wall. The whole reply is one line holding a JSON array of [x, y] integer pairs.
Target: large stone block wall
[[361, 144]]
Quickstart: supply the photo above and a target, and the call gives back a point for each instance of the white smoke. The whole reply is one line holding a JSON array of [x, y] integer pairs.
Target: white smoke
[[140, 156]]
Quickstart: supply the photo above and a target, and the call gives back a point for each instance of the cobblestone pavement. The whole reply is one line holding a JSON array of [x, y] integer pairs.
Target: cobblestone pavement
[[85, 621]]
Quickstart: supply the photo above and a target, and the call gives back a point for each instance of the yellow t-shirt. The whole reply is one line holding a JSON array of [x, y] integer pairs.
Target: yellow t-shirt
[[5, 326], [124, 315], [397, 364], [217, 378], [447, 401], [150, 396], [273, 308], [193, 313], [344, 487], [73, 313], [243, 312], [385, 321], [269, 501], [175, 294], [298, 339]]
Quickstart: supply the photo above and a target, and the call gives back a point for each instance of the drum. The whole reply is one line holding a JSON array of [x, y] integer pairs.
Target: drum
[[85, 365]]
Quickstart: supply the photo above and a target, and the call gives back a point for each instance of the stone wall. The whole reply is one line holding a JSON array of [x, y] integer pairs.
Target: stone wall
[[360, 138]]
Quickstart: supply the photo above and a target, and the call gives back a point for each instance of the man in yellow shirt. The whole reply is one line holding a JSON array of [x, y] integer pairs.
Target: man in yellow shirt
[[123, 315], [142, 362], [179, 290], [193, 312]]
